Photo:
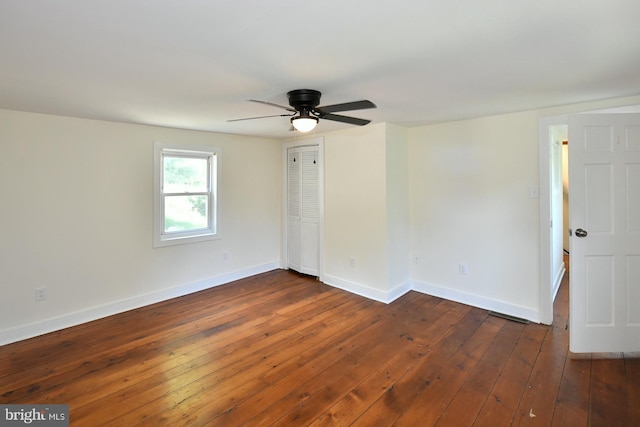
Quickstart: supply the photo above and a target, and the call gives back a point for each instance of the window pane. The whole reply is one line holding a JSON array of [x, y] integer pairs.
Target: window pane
[[184, 213], [185, 175]]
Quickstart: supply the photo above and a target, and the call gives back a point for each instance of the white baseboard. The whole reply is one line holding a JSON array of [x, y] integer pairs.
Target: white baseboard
[[366, 291], [52, 324], [398, 291], [434, 290], [557, 282], [45, 326], [477, 301]]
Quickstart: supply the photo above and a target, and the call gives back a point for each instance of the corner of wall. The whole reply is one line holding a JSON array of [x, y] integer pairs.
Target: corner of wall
[[367, 291]]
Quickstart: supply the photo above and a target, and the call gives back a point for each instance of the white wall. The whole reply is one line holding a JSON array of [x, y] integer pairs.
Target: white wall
[[355, 210], [398, 220], [77, 218], [367, 211], [470, 204]]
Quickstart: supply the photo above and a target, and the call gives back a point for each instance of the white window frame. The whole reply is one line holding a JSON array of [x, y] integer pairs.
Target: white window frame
[[212, 231]]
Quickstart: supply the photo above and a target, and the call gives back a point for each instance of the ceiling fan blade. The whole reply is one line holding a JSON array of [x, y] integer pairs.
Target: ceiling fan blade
[[345, 119], [260, 117], [347, 106], [273, 105]]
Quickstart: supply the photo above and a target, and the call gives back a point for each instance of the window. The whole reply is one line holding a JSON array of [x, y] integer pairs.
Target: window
[[185, 194]]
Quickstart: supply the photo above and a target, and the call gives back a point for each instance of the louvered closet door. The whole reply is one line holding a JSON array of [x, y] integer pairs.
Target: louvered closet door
[[303, 209], [294, 202]]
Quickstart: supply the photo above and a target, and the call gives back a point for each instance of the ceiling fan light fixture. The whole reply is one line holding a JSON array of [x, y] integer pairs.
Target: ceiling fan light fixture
[[304, 123]]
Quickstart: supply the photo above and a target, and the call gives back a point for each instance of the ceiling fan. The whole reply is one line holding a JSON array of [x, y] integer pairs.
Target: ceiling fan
[[305, 113]]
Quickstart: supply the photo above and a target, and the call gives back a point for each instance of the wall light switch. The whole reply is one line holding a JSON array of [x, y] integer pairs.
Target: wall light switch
[[534, 192]]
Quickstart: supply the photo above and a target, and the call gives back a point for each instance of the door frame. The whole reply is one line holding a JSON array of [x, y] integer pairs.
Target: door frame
[[549, 280], [319, 141]]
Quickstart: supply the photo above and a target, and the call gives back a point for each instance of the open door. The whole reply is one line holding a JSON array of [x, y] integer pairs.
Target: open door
[[604, 168]]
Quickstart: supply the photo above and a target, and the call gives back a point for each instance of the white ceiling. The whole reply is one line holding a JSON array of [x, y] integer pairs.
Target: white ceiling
[[194, 63]]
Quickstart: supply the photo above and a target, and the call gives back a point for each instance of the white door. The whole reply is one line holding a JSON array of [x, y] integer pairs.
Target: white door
[[294, 172], [604, 168], [303, 209]]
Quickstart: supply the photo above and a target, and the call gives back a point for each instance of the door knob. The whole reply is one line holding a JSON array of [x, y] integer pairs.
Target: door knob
[[581, 233]]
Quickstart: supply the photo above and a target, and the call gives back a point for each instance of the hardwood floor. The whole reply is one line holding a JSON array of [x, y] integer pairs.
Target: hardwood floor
[[283, 349]]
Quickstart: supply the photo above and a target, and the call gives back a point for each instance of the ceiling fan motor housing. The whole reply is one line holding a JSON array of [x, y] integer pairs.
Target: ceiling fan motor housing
[[304, 100]]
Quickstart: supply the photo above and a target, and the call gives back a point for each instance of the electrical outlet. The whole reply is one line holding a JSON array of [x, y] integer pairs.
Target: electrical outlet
[[416, 260], [352, 262], [463, 269], [225, 256], [41, 294]]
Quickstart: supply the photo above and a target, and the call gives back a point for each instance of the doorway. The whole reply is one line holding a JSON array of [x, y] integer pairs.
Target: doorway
[[602, 309], [553, 226]]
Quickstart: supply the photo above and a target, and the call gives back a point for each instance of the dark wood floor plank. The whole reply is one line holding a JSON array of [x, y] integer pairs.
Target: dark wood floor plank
[[504, 399], [572, 404], [64, 345], [608, 398], [232, 407], [539, 399], [283, 349], [323, 365], [572, 407], [632, 376], [392, 404], [129, 353], [225, 373], [367, 381], [364, 390], [447, 380], [469, 400], [309, 397]]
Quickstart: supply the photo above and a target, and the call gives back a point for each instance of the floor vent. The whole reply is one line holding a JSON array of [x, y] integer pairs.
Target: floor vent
[[508, 317]]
